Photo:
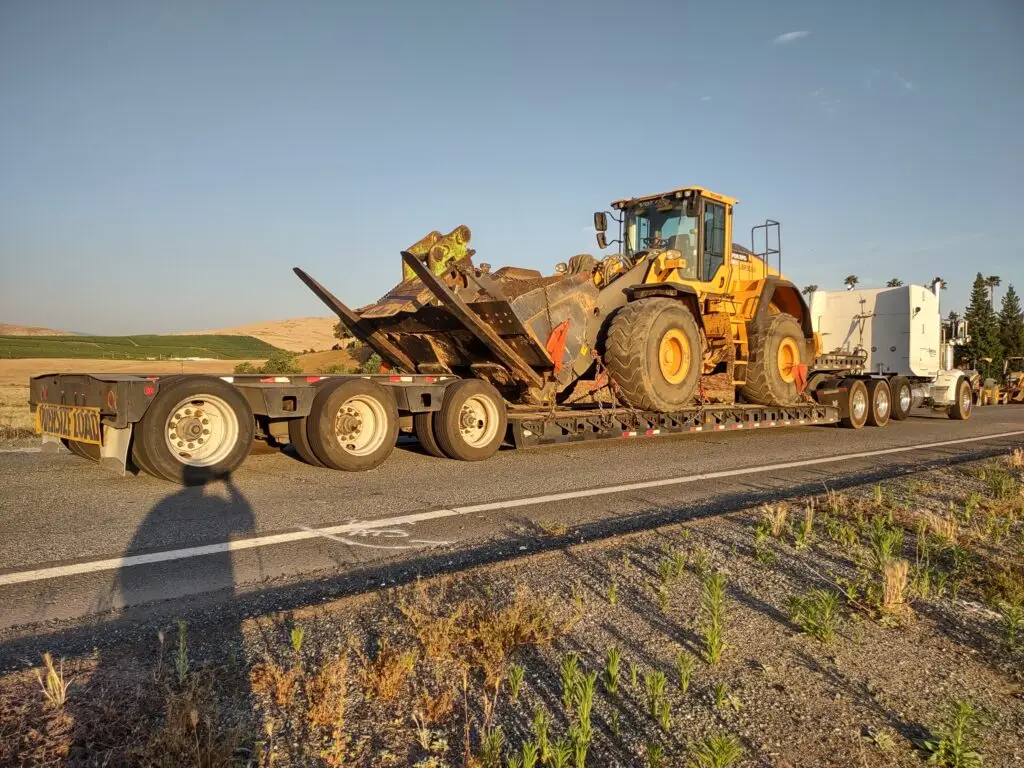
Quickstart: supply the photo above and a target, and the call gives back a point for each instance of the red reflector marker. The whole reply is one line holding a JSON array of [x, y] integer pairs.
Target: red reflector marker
[[148, 390], [311, 379]]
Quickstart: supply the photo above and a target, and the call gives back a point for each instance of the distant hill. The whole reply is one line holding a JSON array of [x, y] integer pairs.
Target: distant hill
[[203, 347], [11, 329], [296, 334]]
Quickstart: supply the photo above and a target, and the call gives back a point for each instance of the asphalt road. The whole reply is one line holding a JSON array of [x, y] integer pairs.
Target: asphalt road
[[77, 540]]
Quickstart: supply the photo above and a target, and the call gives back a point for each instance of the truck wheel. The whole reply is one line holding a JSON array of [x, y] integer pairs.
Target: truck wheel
[[197, 429], [653, 352], [902, 397], [880, 400], [858, 404], [423, 423], [84, 450], [776, 348], [471, 423], [298, 438], [961, 408], [353, 425]]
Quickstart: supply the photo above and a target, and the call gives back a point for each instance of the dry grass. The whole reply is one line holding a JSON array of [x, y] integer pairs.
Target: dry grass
[[894, 587], [326, 693], [295, 334], [278, 683], [53, 684], [945, 528], [384, 676], [553, 527], [15, 418], [776, 515], [1016, 459]]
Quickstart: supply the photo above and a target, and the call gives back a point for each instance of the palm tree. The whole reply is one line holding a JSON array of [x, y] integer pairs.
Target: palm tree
[[940, 281], [894, 283], [992, 281], [851, 281], [809, 289]]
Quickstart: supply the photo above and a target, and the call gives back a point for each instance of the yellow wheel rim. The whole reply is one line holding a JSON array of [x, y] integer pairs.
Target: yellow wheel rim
[[674, 356], [788, 359]]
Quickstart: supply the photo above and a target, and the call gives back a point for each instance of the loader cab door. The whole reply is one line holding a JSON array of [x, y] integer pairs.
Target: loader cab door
[[714, 261]]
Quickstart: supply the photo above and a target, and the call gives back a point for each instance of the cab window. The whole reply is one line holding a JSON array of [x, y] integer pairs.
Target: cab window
[[714, 238]]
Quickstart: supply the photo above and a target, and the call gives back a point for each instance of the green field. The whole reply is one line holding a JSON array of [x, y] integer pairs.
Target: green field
[[136, 347]]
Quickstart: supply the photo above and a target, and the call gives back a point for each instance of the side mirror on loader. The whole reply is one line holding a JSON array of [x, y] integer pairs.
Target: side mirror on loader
[[602, 241], [601, 221]]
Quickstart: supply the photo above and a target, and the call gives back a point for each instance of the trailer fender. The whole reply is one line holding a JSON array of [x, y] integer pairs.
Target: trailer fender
[[786, 297]]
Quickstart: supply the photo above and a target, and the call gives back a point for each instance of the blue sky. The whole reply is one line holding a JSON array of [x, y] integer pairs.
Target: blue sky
[[164, 165]]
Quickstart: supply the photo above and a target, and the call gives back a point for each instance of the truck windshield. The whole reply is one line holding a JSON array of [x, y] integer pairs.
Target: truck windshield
[[650, 228]]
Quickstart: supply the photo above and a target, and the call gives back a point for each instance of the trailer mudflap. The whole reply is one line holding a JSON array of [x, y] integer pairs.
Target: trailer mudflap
[[551, 428], [113, 448]]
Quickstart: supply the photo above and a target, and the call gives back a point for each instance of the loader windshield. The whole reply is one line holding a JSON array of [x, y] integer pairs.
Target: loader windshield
[[650, 228]]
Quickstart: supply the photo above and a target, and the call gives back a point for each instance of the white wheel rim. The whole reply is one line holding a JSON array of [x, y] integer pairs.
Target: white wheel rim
[[904, 398], [478, 421], [966, 402], [360, 425], [858, 404], [201, 430], [881, 403]]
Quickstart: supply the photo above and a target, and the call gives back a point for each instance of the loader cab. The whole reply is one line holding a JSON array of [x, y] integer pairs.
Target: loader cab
[[686, 233]]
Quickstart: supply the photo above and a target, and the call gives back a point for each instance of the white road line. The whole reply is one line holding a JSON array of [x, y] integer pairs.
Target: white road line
[[20, 577], [21, 450]]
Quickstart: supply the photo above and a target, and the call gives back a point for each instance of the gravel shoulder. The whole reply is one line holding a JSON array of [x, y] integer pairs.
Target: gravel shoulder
[[424, 674]]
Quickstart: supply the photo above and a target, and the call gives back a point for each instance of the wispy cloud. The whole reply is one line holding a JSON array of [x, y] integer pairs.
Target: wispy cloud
[[789, 37], [907, 85], [817, 93], [705, 98]]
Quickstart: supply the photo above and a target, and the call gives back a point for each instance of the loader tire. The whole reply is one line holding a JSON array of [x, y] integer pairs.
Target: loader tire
[[902, 397], [653, 352], [472, 421], [776, 348], [423, 424], [353, 424]]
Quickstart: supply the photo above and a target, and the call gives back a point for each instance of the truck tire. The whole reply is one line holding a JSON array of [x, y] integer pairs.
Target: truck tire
[[423, 424], [879, 402], [353, 425], [775, 349], [472, 421], [88, 451], [653, 351], [902, 397], [858, 404], [298, 438], [962, 406], [197, 429]]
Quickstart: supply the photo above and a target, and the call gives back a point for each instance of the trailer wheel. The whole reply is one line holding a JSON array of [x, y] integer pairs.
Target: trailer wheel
[[858, 404], [880, 399], [88, 451], [961, 408], [423, 423], [353, 425], [471, 423], [902, 397], [197, 429], [298, 438]]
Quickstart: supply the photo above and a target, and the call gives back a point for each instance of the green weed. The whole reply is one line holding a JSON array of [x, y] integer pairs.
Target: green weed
[[720, 750], [816, 613], [712, 610], [611, 670], [956, 745], [685, 664]]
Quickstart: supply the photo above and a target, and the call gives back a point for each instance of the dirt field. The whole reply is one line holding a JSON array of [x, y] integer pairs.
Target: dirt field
[[11, 329], [878, 627], [296, 334]]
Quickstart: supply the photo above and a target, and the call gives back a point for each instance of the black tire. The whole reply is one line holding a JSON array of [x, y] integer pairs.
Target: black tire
[[962, 407], [423, 423], [368, 414], [766, 382], [646, 337], [902, 397], [88, 451], [472, 421], [298, 438], [880, 402], [858, 404], [208, 408]]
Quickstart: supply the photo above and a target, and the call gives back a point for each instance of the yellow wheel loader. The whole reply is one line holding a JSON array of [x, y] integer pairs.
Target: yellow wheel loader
[[679, 315]]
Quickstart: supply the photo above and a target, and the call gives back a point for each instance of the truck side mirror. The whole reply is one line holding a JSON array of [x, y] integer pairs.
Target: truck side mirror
[[693, 206], [602, 241], [600, 222]]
